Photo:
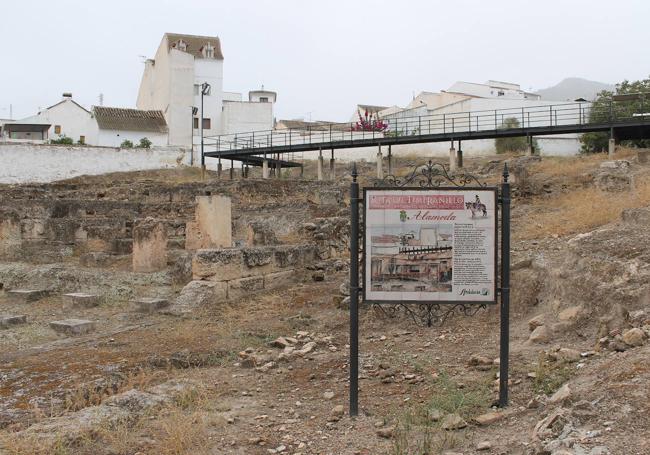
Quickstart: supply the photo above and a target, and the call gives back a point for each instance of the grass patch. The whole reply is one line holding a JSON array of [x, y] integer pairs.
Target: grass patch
[[416, 431], [580, 210], [550, 376]]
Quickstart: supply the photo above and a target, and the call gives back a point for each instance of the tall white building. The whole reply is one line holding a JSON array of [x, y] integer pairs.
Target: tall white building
[[172, 83]]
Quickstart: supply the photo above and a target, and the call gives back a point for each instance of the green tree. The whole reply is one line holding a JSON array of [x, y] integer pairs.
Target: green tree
[[126, 144], [607, 104], [145, 143], [63, 139], [511, 144]]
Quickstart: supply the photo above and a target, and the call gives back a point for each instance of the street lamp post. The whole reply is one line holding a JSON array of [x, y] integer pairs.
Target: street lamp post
[[195, 110], [205, 90]]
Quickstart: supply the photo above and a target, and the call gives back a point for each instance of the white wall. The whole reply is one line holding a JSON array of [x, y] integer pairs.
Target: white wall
[[23, 163], [114, 138], [239, 117], [74, 121], [210, 71]]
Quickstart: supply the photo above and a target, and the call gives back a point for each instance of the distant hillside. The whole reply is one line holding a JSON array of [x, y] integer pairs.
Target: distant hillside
[[572, 88]]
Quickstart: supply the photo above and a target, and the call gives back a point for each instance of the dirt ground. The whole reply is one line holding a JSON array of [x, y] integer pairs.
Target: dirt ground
[[244, 397]]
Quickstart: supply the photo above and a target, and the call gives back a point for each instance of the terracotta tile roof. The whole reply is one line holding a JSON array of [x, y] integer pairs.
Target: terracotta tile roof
[[116, 118], [195, 43]]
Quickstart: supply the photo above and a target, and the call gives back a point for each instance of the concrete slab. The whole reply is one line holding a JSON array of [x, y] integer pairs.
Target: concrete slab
[[79, 299], [150, 305], [7, 321], [73, 326], [26, 295]]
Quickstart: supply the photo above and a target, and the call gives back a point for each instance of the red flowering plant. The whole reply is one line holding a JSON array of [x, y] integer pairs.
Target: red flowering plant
[[369, 122]]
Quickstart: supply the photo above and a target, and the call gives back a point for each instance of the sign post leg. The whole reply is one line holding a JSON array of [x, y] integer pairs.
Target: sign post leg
[[505, 289], [354, 293]]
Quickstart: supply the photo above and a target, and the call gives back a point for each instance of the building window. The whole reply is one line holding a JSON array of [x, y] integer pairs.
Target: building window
[[264, 99], [57, 129], [180, 45], [500, 93], [206, 123], [208, 51], [82, 139]]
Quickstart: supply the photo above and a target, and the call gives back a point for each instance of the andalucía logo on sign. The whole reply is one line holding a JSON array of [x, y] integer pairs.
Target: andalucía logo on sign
[[483, 291]]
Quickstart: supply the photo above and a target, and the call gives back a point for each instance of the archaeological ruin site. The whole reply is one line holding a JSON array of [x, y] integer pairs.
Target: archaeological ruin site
[[166, 312]]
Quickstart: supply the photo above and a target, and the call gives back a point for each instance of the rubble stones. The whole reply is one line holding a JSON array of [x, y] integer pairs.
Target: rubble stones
[[386, 432], [488, 418], [453, 422], [7, 321], [634, 337], [535, 322], [73, 326], [540, 335], [570, 314], [336, 413], [79, 299], [561, 395]]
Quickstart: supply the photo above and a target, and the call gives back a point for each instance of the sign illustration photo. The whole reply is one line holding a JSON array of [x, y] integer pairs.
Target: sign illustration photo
[[427, 245]]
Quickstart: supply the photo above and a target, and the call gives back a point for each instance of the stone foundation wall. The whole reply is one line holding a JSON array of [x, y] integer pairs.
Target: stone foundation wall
[[241, 271]]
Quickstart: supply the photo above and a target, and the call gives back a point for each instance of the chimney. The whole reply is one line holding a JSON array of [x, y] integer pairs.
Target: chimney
[[67, 96]]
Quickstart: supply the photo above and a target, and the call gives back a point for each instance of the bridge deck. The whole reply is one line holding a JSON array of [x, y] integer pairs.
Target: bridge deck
[[627, 119]]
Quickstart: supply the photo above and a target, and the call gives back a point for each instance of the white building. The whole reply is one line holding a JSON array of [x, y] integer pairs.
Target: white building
[[66, 118], [172, 83], [100, 126]]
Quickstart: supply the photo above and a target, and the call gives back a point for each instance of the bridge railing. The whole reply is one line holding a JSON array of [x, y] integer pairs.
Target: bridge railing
[[393, 126]]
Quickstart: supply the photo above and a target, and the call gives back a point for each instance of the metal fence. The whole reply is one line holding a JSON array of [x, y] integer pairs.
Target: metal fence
[[542, 116]]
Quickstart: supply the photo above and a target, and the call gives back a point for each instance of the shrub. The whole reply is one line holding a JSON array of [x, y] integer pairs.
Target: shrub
[[126, 144], [511, 144], [62, 139], [145, 143]]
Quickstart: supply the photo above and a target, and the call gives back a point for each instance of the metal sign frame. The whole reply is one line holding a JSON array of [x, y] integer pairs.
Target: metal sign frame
[[433, 176], [364, 201]]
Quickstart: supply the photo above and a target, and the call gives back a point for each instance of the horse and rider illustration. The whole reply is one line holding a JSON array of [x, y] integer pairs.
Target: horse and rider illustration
[[476, 207]]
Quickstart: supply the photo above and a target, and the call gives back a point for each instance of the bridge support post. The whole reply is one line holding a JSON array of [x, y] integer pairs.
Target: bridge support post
[[612, 147], [278, 168], [265, 169], [459, 157], [452, 159], [380, 164], [219, 169], [530, 151], [232, 170], [390, 161], [332, 173], [319, 167]]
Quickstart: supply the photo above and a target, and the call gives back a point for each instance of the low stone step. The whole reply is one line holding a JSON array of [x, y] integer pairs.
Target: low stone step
[[73, 326], [150, 305], [26, 295], [79, 299], [7, 321]]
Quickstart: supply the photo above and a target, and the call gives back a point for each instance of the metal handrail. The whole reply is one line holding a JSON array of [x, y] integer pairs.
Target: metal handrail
[[549, 115]]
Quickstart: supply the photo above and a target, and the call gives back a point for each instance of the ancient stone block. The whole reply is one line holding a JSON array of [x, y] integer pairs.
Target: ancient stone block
[[218, 264], [197, 294], [79, 299], [193, 236], [639, 216], [279, 279], [214, 222], [73, 326], [10, 237], [260, 233], [643, 156], [294, 255], [245, 286], [6, 321], [97, 259], [26, 295], [150, 305], [149, 246]]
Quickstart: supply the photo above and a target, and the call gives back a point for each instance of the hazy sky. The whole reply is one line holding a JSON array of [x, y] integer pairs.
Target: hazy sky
[[321, 57]]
